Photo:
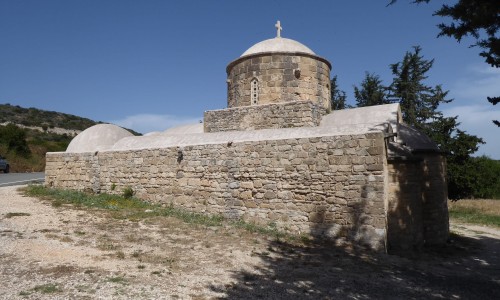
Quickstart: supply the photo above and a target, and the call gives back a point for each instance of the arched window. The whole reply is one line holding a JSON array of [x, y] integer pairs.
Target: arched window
[[254, 92]]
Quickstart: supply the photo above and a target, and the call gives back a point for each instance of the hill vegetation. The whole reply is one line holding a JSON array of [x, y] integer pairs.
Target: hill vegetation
[[42, 118], [27, 134]]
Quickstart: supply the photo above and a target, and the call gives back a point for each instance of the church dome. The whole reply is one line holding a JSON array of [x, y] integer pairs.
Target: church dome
[[278, 70], [278, 44], [97, 138]]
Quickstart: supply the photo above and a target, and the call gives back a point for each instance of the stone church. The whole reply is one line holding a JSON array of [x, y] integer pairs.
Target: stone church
[[278, 154]]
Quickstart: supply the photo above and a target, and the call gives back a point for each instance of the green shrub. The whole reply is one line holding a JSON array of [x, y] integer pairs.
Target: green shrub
[[15, 139], [128, 192], [487, 179]]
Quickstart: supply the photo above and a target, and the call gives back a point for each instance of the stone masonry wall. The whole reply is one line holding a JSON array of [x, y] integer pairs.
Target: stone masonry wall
[[404, 221], [435, 198], [282, 77], [331, 186], [76, 171], [417, 206], [282, 115]]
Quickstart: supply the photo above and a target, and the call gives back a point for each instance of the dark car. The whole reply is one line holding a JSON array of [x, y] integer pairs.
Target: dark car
[[4, 165]]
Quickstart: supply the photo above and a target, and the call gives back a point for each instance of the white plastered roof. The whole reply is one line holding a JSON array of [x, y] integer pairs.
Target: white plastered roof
[[185, 129], [369, 115], [97, 138], [182, 140], [381, 118], [278, 44]]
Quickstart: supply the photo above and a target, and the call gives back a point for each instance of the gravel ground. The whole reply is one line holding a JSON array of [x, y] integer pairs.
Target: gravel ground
[[51, 252]]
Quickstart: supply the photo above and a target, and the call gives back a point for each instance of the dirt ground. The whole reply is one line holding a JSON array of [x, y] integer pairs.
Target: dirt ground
[[51, 252]]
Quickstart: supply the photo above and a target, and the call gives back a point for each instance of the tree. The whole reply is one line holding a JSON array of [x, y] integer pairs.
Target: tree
[[419, 106], [15, 139], [371, 92], [459, 146], [418, 101], [489, 186], [337, 97], [479, 19]]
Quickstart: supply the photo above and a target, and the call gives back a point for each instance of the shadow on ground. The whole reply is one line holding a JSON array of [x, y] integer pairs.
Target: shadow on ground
[[466, 268]]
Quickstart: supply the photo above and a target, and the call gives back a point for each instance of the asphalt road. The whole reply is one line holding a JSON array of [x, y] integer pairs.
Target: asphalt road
[[20, 178]]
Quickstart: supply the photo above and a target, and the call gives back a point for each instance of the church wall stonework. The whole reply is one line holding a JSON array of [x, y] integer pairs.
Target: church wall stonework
[[417, 202], [435, 196], [83, 170], [281, 115], [282, 77], [330, 186], [405, 226]]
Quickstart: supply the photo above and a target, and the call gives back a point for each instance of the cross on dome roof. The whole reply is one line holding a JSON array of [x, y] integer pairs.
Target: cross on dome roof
[[279, 28], [278, 44]]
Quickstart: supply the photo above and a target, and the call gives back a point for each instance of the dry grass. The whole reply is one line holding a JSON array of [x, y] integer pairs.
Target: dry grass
[[136, 210], [478, 211], [487, 206]]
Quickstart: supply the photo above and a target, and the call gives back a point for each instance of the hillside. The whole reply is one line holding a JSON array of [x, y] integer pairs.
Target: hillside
[[27, 134], [34, 117]]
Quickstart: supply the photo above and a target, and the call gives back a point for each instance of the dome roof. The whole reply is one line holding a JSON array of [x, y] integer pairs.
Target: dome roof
[[97, 138], [278, 44]]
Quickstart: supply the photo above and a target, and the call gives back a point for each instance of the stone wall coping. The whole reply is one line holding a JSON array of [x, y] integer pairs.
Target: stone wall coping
[[136, 143], [265, 105], [230, 137]]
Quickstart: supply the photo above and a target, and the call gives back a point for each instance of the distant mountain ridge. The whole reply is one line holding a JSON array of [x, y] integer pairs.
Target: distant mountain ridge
[[46, 121], [34, 117]]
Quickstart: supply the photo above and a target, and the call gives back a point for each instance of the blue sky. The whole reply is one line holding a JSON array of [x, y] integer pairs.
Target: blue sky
[[149, 65]]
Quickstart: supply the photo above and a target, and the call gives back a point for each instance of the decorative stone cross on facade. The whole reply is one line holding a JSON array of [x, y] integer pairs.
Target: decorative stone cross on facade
[[279, 28]]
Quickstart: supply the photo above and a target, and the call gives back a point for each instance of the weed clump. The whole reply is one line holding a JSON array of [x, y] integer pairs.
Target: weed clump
[[16, 214], [117, 279], [128, 192], [47, 288]]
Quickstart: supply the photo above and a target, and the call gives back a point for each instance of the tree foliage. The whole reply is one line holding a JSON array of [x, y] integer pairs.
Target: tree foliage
[[15, 139], [487, 179], [494, 101], [337, 96], [459, 146], [479, 19], [419, 106], [418, 101], [371, 91], [25, 149]]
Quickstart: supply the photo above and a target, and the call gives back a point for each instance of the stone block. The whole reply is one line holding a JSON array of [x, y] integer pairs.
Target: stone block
[[269, 195], [234, 185], [245, 195], [375, 167]]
